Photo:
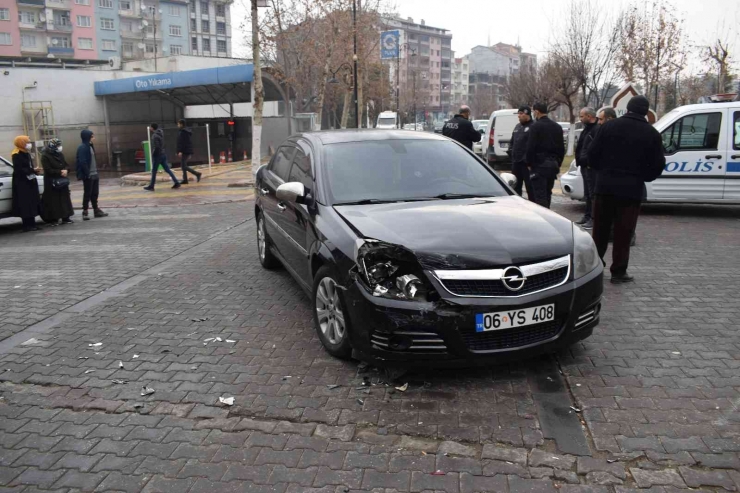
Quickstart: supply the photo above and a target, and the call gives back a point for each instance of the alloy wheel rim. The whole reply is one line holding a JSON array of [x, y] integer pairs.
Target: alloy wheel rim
[[329, 311], [261, 239]]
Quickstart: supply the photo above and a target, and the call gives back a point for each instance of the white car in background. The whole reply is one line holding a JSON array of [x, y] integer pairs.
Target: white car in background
[[481, 126], [571, 182], [6, 187]]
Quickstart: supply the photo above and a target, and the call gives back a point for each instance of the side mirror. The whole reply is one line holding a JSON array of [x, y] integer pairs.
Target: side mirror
[[291, 192]]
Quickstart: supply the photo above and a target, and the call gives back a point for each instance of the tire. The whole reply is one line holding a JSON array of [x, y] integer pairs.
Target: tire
[[267, 259], [329, 316]]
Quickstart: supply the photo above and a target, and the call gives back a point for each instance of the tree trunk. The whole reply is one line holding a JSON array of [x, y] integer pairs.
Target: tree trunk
[[259, 93], [322, 86], [345, 108], [360, 99]]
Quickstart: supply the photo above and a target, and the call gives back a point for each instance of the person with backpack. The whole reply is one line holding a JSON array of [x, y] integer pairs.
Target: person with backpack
[[626, 153], [159, 158], [185, 151]]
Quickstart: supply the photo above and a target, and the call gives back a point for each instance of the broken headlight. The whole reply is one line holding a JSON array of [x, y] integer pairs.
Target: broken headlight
[[390, 271]]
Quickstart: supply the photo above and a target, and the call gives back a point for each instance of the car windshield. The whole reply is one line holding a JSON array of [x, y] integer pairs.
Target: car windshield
[[397, 170], [386, 121]]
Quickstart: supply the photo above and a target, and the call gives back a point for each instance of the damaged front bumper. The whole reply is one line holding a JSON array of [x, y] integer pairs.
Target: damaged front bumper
[[442, 333]]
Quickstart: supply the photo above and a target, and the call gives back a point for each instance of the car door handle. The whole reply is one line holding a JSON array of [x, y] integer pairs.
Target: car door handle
[[282, 207], [736, 156], [713, 156], [264, 191]]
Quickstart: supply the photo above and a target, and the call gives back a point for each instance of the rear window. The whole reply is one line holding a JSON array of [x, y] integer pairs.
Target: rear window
[[386, 121], [405, 170]]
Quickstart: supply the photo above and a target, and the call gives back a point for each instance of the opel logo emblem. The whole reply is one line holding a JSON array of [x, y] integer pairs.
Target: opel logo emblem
[[513, 278]]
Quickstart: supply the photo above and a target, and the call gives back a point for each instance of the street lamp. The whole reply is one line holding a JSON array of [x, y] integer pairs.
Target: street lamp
[[398, 70], [144, 25]]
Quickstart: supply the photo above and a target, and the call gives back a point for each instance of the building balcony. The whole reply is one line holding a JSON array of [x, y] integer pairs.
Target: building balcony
[[60, 28], [61, 51], [59, 4], [131, 34], [31, 27], [131, 14], [34, 50], [32, 3]]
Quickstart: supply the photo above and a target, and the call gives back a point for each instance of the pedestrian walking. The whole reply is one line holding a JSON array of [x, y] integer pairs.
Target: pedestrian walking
[[626, 153], [545, 153], [26, 202], [589, 121], [159, 158], [56, 199], [185, 151], [87, 171], [461, 129], [518, 150]]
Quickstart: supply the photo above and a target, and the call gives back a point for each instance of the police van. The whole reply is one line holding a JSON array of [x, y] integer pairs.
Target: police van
[[702, 150]]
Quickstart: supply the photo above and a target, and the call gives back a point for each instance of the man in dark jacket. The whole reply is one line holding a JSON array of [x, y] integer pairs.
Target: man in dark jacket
[[545, 153], [518, 149], [87, 171], [626, 153], [159, 157], [185, 151], [461, 129], [588, 119]]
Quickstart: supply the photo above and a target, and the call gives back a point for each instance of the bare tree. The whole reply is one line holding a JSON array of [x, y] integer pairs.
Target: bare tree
[[719, 54]]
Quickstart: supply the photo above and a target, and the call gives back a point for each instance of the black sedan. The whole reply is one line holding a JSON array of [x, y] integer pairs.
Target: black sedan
[[415, 252]]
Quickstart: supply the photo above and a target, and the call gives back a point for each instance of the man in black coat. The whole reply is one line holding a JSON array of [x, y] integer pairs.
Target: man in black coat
[[185, 151], [626, 153], [461, 129], [518, 149], [545, 153], [588, 119], [159, 158]]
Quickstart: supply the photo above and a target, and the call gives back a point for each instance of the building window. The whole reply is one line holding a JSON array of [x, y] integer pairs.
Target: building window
[[62, 19], [124, 5], [192, 6], [175, 49], [61, 42], [221, 46], [28, 41], [150, 48], [4, 14], [152, 12], [204, 8], [82, 2], [194, 44], [128, 49], [107, 24], [25, 17], [193, 25], [127, 26], [221, 28], [109, 45], [176, 31], [205, 26], [85, 43], [174, 11], [220, 10], [105, 4], [206, 44], [5, 39], [84, 21]]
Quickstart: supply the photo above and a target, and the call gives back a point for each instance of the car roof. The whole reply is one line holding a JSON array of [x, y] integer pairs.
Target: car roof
[[353, 135], [510, 111], [707, 106]]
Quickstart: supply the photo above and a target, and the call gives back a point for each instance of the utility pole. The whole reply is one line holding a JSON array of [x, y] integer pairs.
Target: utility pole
[[259, 93], [354, 59]]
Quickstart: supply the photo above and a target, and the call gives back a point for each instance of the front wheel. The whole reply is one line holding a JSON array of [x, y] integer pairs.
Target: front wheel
[[330, 318], [267, 259]]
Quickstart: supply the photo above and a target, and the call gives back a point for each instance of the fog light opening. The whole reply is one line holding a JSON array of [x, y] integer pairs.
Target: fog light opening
[[567, 188], [400, 343]]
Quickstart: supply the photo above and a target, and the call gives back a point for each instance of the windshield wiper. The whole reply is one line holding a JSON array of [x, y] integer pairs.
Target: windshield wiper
[[367, 202], [447, 196]]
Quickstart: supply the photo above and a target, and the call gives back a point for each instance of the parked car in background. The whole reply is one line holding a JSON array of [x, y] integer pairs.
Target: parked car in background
[[355, 216], [497, 137], [388, 120], [6, 187], [438, 127], [478, 147], [566, 130]]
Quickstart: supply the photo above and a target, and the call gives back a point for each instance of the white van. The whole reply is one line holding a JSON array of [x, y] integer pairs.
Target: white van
[[388, 120], [497, 138], [702, 149]]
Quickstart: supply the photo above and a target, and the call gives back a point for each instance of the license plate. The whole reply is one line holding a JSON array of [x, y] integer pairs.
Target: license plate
[[510, 319], [504, 145]]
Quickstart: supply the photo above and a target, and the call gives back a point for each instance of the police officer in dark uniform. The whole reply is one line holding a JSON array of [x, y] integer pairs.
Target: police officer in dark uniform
[[518, 149], [545, 153], [461, 129]]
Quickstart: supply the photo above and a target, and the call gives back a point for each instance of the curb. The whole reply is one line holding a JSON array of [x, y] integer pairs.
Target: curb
[[241, 184], [136, 179]]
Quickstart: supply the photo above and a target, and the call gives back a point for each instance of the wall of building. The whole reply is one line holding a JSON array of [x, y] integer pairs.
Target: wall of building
[[85, 32], [10, 26], [175, 14]]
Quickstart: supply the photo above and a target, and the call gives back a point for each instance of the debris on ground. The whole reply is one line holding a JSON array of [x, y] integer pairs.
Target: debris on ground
[[403, 388], [361, 402], [332, 387], [230, 340], [145, 391], [120, 365], [228, 401], [83, 357], [31, 342], [575, 409], [89, 371], [199, 319], [438, 473], [136, 356], [97, 344], [363, 367], [119, 382], [286, 377]]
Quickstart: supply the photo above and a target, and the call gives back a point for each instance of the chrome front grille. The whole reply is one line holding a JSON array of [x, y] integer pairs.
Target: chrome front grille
[[408, 340], [587, 316], [492, 283], [497, 340]]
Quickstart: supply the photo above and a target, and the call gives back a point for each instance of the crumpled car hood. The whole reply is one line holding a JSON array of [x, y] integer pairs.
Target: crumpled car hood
[[466, 233]]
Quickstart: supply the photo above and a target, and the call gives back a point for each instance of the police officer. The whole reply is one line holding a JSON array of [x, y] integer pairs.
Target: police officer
[[518, 149], [588, 119], [461, 129], [545, 153]]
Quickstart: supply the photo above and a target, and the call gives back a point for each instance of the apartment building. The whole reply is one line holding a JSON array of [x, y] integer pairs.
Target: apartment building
[[426, 58], [490, 68], [460, 81], [114, 29]]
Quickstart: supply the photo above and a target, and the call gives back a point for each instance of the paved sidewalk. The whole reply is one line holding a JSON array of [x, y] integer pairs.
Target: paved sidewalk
[[656, 387]]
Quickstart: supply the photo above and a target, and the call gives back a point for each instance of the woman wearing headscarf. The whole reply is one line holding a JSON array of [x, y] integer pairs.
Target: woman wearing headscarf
[[56, 200], [26, 201]]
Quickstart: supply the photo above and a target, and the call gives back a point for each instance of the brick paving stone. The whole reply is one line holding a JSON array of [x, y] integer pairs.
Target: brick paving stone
[[76, 461], [396, 480], [478, 484], [589, 464], [120, 464], [290, 475], [696, 478], [518, 456], [123, 482], [497, 467], [717, 461], [667, 477], [80, 480], [539, 458], [197, 469], [421, 481], [519, 485], [348, 479], [37, 477], [159, 484], [256, 474]]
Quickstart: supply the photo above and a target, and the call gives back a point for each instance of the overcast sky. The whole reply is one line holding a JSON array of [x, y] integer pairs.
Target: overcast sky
[[472, 21]]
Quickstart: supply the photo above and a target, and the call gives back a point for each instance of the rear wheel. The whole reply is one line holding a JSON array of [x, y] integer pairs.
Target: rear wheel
[[267, 259], [330, 318]]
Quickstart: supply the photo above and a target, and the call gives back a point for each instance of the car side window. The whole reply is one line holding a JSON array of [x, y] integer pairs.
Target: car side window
[[693, 133], [5, 169], [736, 132], [281, 164], [301, 170]]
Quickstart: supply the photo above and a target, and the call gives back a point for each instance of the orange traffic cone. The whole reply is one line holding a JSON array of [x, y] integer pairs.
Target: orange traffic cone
[[245, 156], [222, 157], [213, 161], [229, 160]]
